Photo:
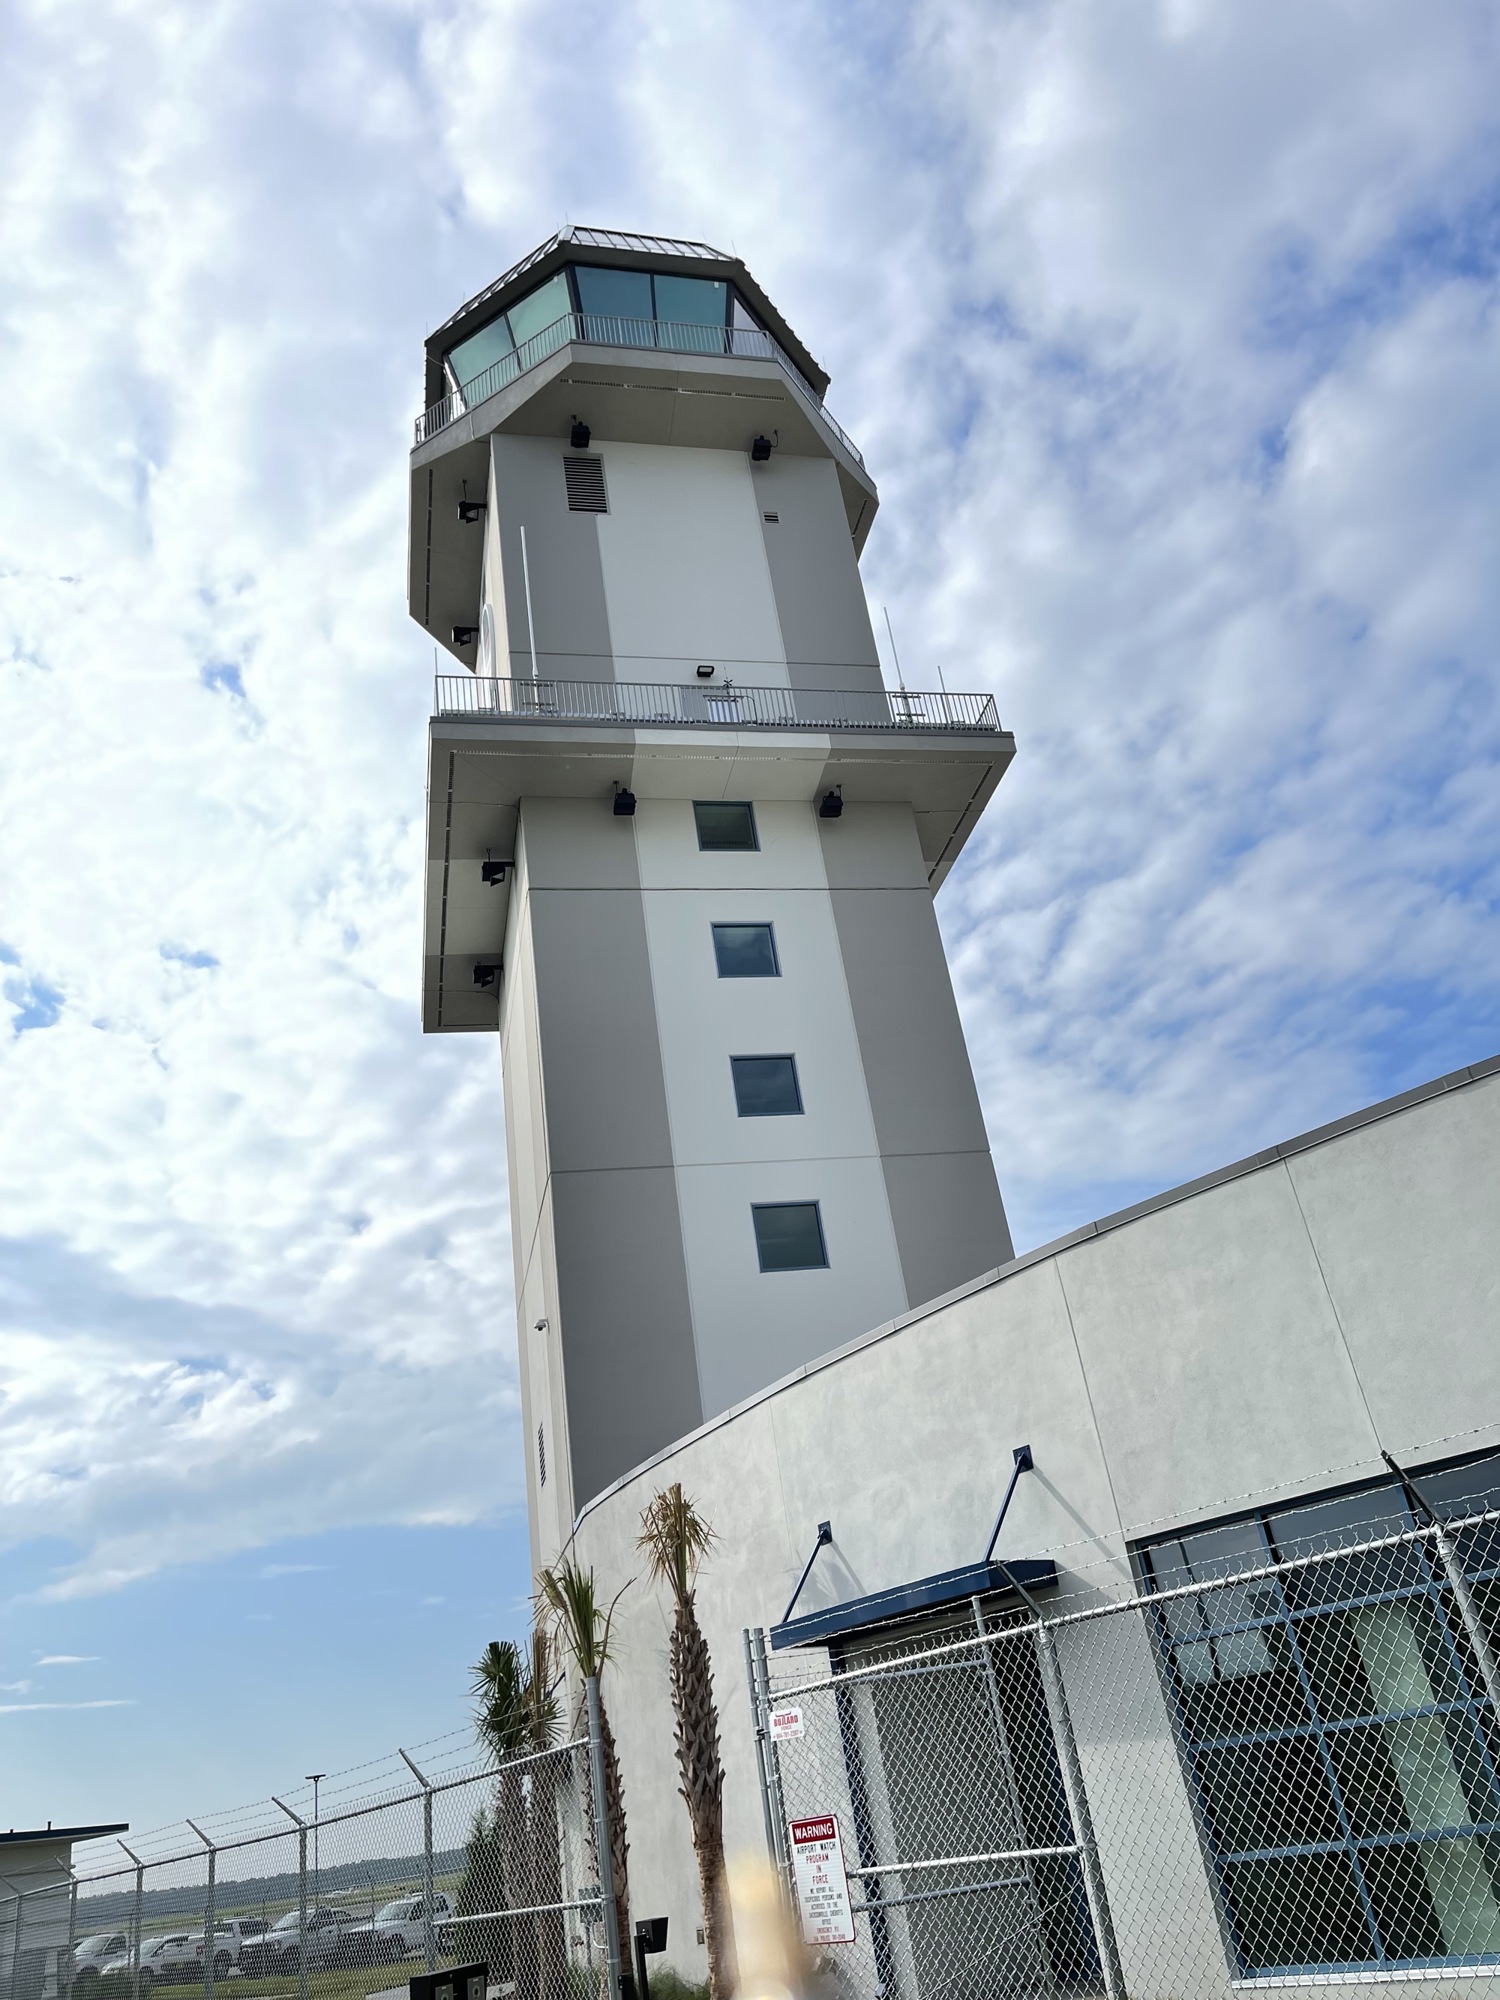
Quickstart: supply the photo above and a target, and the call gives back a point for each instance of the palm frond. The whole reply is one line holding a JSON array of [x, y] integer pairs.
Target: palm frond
[[674, 1539], [498, 1683], [578, 1619]]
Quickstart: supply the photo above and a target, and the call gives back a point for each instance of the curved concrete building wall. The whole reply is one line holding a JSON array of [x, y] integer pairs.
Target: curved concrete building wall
[[1267, 1330]]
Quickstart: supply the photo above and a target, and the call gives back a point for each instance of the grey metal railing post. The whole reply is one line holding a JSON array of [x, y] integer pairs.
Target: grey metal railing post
[[429, 1930], [760, 1723], [602, 1844], [208, 1914], [135, 1948], [1078, 1808]]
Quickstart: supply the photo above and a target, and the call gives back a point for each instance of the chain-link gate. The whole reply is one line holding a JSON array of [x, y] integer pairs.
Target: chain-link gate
[[1253, 1771], [419, 1862]]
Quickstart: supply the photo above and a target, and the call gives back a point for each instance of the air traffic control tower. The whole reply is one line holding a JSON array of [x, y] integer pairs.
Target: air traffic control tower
[[682, 849]]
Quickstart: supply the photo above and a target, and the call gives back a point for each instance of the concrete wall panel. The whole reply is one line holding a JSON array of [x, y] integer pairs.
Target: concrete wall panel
[[684, 567], [562, 555], [626, 1327], [948, 1217], [1402, 1214], [1215, 1361], [820, 600]]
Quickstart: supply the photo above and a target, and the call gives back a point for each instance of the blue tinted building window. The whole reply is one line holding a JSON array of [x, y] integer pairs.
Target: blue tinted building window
[[1334, 1722], [766, 1086], [746, 951], [725, 826], [789, 1236]]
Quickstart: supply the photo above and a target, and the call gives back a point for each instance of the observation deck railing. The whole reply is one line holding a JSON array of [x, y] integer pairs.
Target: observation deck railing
[[610, 330], [696, 704]]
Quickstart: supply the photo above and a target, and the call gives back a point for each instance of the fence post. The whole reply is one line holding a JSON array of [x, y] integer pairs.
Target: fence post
[[72, 1929], [301, 1826], [208, 1914], [1458, 1583], [760, 1722], [781, 1853], [602, 1845], [15, 1941], [1012, 1790], [135, 1952], [1078, 1807], [429, 1934], [301, 1913]]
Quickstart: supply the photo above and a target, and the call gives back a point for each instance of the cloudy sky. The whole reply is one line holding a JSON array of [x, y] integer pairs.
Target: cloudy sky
[[1170, 332]]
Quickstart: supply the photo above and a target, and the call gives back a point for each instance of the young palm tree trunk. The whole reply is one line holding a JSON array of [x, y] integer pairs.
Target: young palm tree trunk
[[703, 1787], [619, 1847]]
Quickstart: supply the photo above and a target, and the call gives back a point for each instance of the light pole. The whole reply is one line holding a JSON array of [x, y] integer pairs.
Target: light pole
[[315, 1778]]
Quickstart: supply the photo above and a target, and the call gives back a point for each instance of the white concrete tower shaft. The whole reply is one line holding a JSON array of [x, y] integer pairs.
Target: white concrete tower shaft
[[683, 845]]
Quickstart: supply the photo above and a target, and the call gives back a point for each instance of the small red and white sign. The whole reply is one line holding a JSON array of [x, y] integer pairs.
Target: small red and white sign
[[787, 1722], [822, 1885]]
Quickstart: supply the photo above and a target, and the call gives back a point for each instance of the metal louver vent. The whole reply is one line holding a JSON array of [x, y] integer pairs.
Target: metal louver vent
[[584, 473], [773, 518]]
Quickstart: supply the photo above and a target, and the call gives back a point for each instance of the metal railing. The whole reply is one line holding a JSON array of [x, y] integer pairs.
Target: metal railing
[[611, 330], [694, 704]]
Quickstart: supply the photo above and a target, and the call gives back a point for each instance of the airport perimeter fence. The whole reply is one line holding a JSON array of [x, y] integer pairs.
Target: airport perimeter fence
[[428, 1859], [1253, 1772]]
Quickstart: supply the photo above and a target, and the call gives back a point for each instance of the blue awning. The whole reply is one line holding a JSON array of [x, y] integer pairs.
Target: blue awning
[[929, 1593]]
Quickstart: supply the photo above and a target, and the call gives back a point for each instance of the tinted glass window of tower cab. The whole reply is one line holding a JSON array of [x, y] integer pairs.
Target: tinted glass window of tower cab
[[628, 308]]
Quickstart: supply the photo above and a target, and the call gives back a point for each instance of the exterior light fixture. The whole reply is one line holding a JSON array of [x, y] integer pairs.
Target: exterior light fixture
[[580, 434], [485, 974], [624, 803], [760, 451], [705, 672], [492, 872], [469, 510], [831, 805], [465, 635]]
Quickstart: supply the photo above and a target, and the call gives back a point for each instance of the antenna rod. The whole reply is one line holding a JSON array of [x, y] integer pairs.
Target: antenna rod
[[530, 621], [900, 677]]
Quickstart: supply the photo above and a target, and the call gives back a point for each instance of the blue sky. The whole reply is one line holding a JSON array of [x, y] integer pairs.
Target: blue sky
[[1170, 333]]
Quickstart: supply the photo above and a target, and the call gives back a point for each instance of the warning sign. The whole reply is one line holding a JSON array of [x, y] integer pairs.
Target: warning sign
[[787, 1722], [822, 1885]]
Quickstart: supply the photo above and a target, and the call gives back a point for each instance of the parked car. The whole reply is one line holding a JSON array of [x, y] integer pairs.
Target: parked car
[[283, 1947], [398, 1930], [231, 1935], [172, 1960], [91, 1954]]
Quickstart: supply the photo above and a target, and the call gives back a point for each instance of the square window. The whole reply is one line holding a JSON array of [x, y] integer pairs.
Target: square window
[[746, 951], [766, 1086], [789, 1236], [725, 828]]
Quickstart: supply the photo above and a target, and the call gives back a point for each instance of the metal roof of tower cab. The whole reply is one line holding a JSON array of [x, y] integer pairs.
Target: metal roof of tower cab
[[624, 250]]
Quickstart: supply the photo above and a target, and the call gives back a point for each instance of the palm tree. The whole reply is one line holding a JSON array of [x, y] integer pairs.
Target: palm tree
[[582, 1625], [501, 1849], [675, 1538], [543, 1714]]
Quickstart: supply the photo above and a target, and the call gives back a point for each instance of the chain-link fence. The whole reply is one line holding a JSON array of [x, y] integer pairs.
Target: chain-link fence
[[1264, 1768], [339, 1890]]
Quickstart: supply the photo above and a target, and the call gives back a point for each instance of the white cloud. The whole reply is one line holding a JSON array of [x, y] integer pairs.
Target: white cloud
[[1170, 335], [68, 1660], [35, 1707]]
